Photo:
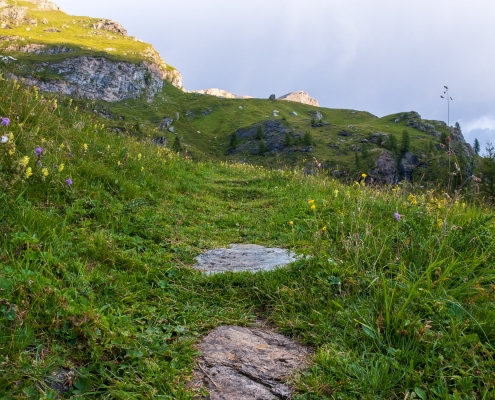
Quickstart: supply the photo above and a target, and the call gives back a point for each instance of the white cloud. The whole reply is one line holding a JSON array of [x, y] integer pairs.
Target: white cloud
[[484, 122], [481, 128]]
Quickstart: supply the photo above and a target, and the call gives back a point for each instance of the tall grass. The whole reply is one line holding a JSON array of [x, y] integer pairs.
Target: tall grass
[[95, 275]]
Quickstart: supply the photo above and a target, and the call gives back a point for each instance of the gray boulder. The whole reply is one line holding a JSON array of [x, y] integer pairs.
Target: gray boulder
[[165, 124], [385, 170], [317, 115]]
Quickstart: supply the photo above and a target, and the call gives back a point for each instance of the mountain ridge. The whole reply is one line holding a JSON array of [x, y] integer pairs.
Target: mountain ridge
[[126, 81]]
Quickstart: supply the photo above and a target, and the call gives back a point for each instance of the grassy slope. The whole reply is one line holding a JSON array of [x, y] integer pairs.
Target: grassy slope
[[77, 34], [96, 276], [227, 117]]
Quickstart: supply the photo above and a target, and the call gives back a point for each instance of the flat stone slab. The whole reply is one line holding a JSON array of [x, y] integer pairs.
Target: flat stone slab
[[247, 363], [243, 257]]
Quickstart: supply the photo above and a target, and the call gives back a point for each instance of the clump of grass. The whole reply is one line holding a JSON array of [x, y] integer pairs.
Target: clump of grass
[[396, 294]]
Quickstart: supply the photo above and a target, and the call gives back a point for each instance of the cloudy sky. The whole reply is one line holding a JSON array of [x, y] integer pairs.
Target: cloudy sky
[[382, 56]]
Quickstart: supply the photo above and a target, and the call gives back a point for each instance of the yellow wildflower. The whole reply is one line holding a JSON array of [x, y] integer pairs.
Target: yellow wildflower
[[311, 201], [313, 207], [336, 192], [61, 167], [45, 172], [291, 223], [85, 147], [440, 222], [118, 163], [412, 199], [29, 172], [140, 156], [364, 175], [24, 160], [324, 229]]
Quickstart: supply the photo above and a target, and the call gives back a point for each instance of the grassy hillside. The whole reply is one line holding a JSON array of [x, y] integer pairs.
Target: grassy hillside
[[73, 32], [99, 231], [207, 136]]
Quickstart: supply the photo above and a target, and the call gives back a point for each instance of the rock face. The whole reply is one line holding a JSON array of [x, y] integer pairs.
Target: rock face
[[385, 169], [300, 97], [247, 363], [275, 133], [39, 49], [407, 165], [98, 78], [243, 257], [109, 25], [219, 93]]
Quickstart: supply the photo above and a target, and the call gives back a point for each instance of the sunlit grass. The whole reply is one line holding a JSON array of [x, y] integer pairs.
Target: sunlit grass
[[96, 273]]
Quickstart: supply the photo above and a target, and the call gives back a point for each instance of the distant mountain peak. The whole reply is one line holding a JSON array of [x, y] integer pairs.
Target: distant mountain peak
[[300, 97]]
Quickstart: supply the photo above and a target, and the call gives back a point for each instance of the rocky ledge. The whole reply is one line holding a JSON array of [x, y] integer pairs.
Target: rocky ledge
[[98, 78]]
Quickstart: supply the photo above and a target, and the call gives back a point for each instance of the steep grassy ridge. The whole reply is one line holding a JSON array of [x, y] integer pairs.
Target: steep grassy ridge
[[75, 33], [99, 232]]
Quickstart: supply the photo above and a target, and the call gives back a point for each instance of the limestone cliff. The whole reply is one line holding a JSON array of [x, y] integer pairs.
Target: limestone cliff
[[98, 78], [131, 69], [300, 97]]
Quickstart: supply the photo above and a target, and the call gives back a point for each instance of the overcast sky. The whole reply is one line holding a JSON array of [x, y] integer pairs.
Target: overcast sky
[[381, 56]]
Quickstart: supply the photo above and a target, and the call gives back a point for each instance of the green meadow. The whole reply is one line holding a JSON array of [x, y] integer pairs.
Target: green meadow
[[394, 290]]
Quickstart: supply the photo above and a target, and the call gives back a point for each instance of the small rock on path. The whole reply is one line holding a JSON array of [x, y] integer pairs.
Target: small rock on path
[[243, 257], [247, 363]]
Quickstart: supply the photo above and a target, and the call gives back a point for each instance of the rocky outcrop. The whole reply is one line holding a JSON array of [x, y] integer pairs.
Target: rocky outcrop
[[18, 15], [109, 25], [39, 49], [300, 97], [98, 78], [275, 133], [385, 170], [44, 5], [407, 166], [317, 115], [219, 93], [14, 15]]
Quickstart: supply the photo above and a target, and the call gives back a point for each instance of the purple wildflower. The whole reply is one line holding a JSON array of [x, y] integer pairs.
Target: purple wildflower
[[38, 151], [69, 182], [5, 121], [397, 216]]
